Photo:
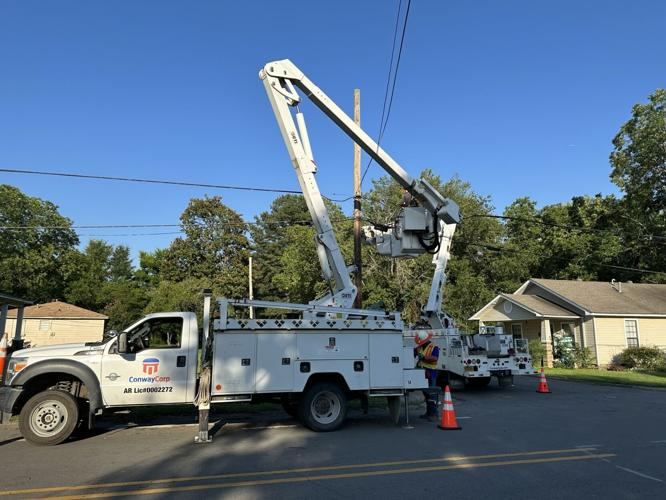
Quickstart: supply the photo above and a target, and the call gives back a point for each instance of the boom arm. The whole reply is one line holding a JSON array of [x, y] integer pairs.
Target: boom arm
[[280, 78]]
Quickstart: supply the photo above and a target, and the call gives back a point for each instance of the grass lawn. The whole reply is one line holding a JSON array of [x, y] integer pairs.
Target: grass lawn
[[648, 379]]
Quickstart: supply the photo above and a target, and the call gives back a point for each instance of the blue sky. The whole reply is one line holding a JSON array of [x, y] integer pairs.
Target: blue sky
[[520, 98]]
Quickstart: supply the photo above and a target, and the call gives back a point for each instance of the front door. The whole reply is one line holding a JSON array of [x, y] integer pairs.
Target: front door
[[156, 368]]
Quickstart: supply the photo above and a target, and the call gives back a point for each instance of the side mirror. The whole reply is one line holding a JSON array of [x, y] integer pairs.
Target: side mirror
[[122, 343]]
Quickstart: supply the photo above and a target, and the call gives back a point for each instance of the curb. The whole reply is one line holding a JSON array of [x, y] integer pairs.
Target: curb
[[609, 384]]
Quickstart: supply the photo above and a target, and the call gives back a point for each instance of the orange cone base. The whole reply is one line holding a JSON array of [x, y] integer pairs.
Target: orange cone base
[[543, 391], [449, 428]]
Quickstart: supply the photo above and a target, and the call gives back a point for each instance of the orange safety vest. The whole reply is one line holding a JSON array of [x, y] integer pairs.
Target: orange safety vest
[[427, 352]]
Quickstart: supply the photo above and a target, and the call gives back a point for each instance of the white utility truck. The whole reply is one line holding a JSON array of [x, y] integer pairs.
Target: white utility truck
[[313, 364]]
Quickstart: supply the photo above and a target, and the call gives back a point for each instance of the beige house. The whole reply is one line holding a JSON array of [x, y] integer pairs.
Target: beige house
[[605, 317], [57, 323]]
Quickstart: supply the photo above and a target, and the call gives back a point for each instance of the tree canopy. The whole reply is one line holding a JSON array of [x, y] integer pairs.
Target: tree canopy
[[587, 237]]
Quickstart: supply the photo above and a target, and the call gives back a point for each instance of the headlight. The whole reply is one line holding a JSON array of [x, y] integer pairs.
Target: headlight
[[15, 366]]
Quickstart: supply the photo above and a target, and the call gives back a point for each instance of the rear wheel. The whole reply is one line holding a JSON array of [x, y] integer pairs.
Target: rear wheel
[[49, 417], [323, 407]]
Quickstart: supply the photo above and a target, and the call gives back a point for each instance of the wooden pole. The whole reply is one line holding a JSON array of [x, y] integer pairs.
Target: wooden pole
[[358, 278]]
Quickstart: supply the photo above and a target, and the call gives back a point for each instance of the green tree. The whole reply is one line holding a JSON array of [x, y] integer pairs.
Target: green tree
[[120, 264], [269, 241], [404, 284], [124, 303], [150, 267], [92, 272], [639, 169], [287, 266], [33, 261], [182, 295], [215, 247]]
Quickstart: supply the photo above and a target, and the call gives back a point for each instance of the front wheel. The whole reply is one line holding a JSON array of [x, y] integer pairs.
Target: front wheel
[[323, 407], [49, 417]]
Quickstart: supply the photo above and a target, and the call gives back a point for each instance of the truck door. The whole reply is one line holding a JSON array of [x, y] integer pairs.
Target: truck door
[[158, 367]]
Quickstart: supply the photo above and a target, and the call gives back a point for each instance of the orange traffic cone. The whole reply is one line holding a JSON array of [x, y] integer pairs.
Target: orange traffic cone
[[543, 385], [3, 354], [449, 422]]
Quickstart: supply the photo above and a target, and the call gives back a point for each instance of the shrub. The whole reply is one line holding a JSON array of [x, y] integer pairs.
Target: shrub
[[538, 352], [582, 357], [641, 358], [566, 360]]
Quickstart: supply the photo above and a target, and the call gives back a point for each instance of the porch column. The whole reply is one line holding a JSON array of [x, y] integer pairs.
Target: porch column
[[547, 342]]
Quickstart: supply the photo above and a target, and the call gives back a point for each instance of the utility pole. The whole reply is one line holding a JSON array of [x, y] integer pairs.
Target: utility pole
[[357, 204], [249, 279]]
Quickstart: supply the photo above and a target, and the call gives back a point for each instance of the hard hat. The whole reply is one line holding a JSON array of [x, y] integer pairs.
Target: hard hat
[[422, 337]]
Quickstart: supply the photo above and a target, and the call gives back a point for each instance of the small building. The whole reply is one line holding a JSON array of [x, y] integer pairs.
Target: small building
[[57, 323], [604, 317]]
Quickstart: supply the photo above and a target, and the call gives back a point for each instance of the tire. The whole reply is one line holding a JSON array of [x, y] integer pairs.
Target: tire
[[49, 418], [323, 407], [290, 407]]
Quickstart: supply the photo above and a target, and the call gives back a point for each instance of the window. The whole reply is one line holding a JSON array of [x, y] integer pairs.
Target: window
[[631, 332], [156, 333], [517, 330], [44, 325]]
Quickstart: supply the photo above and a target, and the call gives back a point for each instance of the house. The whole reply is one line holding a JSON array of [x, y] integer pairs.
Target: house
[[57, 323], [605, 317]]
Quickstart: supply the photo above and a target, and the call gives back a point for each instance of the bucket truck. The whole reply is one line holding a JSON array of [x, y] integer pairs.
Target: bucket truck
[[312, 364]]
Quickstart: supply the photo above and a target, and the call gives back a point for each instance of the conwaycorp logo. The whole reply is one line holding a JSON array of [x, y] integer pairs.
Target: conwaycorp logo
[[151, 365]]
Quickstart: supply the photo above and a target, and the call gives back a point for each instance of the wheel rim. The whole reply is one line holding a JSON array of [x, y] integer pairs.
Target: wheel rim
[[326, 407], [48, 418]]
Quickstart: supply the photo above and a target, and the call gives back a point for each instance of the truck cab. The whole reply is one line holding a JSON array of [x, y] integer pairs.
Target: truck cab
[[56, 389]]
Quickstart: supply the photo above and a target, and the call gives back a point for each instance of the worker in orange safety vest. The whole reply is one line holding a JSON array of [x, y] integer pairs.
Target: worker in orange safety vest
[[427, 354]]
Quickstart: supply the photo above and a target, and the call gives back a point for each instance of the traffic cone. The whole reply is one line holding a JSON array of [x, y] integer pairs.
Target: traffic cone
[[543, 385], [449, 422], [3, 354]]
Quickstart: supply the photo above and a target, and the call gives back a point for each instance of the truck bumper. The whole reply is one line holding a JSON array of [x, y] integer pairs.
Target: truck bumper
[[8, 396]]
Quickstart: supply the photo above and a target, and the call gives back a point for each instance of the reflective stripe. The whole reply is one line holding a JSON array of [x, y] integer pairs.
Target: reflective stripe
[[427, 352]]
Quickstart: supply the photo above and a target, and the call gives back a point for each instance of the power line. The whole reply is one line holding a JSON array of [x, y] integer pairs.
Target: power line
[[127, 226], [397, 67], [383, 122], [149, 181]]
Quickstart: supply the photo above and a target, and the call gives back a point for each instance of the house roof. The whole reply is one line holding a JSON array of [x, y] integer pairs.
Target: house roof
[[57, 309], [539, 305], [533, 304], [602, 297]]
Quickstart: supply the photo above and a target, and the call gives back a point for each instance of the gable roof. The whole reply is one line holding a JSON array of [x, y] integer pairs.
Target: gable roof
[[601, 297], [57, 309], [539, 305], [533, 304]]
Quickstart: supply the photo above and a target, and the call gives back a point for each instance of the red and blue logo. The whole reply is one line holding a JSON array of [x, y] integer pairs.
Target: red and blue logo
[[150, 365]]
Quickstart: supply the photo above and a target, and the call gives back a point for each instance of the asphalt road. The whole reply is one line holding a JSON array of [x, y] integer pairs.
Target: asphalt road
[[581, 441]]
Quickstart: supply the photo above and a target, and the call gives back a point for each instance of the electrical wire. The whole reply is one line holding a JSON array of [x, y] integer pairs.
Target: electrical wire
[[157, 181], [126, 226], [383, 122]]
